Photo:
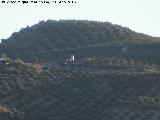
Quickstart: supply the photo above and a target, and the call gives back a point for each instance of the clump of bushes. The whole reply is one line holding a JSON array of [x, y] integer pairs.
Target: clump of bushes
[[148, 102], [28, 67]]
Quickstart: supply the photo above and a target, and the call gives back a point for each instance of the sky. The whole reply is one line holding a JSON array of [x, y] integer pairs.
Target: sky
[[139, 15]]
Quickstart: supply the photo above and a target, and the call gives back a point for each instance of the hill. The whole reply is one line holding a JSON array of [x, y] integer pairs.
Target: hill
[[114, 74], [57, 40]]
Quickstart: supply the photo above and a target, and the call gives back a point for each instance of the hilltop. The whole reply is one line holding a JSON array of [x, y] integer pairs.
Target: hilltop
[[56, 40]]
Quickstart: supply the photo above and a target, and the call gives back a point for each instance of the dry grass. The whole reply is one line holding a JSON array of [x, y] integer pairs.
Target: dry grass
[[4, 109]]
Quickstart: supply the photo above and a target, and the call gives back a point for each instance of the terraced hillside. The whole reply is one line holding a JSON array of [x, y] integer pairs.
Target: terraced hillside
[[122, 93], [114, 76]]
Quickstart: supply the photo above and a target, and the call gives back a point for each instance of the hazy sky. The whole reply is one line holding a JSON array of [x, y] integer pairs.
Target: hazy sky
[[139, 15]]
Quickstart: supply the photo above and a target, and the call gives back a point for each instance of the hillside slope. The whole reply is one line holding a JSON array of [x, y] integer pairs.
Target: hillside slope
[[121, 93], [57, 40], [114, 76]]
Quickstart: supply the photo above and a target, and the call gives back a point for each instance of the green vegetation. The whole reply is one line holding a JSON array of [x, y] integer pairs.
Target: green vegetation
[[56, 40], [115, 75], [20, 67]]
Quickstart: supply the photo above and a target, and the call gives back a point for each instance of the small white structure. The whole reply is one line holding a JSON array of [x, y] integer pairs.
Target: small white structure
[[72, 58]]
